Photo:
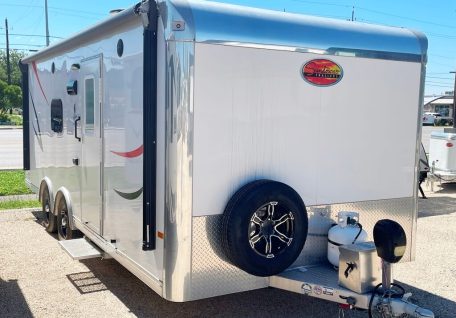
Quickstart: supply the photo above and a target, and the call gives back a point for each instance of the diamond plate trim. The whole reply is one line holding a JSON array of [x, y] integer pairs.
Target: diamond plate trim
[[401, 210], [212, 275]]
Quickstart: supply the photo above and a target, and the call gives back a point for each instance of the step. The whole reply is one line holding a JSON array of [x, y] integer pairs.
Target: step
[[81, 249]]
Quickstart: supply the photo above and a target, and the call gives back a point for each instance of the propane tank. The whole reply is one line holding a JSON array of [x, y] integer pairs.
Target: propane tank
[[348, 230]]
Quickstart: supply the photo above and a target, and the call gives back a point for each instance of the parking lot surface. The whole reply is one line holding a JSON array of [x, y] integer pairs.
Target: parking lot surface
[[38, 279]]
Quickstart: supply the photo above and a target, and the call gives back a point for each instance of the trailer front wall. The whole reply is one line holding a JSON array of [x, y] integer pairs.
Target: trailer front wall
[[332, 144]]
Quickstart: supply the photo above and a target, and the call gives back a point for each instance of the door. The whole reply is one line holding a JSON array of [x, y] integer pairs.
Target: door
[[92, 143]]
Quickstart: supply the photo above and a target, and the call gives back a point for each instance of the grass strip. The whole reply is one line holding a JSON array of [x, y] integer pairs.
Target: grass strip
[[19, 204], [12, 182]]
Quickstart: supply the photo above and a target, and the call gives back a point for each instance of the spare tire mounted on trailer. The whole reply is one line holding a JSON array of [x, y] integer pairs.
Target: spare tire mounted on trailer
[[264, 227]]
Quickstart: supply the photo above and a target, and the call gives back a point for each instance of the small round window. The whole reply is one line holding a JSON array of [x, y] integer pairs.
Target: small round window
[[120, 47]]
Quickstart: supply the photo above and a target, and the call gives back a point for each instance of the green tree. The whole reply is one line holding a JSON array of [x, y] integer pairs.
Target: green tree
[[13, 97], [10, 97], [3, 86], [15, 57]]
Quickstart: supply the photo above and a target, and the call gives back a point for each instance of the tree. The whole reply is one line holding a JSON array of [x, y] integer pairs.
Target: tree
[[10, 97], [15, 57], [3, 86]]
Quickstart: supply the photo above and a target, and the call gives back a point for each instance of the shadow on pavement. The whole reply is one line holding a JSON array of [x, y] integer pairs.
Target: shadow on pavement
[[433, 206], [143, 302], [12, 301], [268, 302]]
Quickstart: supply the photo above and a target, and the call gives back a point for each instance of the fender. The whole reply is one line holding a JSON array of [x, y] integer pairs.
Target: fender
[[64, 194], [46, 182]]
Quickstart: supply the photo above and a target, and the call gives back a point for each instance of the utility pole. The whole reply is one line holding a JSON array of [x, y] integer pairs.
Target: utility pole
[[454, 100], [47, 22], [8, 65]]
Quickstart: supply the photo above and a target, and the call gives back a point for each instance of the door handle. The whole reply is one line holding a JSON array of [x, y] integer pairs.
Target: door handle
[[76, 128]]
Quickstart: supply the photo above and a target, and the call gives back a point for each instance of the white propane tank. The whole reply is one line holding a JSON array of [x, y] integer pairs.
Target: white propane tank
[[344, 233]]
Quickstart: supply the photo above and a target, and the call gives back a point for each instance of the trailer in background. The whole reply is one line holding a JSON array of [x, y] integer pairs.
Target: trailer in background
[[202, 144]]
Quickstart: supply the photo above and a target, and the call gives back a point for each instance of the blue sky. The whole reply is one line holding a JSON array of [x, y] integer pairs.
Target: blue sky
[[437, 19]]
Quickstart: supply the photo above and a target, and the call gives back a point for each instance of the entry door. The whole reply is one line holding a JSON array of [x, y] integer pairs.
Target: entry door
[[92, 146]]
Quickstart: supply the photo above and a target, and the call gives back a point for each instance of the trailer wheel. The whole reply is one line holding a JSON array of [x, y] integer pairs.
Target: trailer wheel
[[264, 227], [63, 225], [50, 220]]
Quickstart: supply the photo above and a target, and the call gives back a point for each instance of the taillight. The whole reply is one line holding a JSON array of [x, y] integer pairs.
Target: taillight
[[449, 144]]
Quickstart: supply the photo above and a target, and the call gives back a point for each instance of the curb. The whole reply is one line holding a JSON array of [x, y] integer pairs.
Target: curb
[[10, 127], [20, 197]]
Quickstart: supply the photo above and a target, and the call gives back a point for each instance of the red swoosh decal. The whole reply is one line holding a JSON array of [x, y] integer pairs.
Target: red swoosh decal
[[131, 154], [38, 79]]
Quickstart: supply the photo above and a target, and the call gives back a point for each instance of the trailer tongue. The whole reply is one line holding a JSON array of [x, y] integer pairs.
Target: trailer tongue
[[386, 298]]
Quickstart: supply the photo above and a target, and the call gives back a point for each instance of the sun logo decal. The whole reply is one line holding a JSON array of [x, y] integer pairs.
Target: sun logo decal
[[322, 72]]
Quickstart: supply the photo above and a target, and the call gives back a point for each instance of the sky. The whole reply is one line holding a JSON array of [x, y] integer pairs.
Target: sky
[[436, 19]]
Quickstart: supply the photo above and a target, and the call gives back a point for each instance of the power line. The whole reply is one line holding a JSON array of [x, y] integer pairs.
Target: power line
[[445, 78], [407, 18], [51, 8], [24, 44], [38, 35]]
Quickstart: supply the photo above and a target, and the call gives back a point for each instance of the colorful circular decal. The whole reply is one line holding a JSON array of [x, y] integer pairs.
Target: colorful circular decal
[[322, 72]]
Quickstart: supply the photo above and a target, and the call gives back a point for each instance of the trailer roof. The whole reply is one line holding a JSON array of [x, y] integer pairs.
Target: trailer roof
[[226, 24], [104, 28], [215, 22]]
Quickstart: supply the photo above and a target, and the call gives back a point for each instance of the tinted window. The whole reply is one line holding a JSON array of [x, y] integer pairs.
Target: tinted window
[[89, 102], [56, 115]]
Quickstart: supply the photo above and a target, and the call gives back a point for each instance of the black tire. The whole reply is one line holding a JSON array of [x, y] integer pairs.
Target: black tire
[[63, 226], [264, 227], [50, 220]]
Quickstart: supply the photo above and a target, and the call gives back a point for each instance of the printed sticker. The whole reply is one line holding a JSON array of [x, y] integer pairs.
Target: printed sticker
[[306, 288], [322, 72], [328, 291], [317, 290]]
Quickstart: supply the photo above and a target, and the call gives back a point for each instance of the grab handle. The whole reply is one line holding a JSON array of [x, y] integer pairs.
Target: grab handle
[[76, 128]]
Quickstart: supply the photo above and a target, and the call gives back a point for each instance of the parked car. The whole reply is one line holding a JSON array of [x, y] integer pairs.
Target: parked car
[[436, 119], [430, 118]]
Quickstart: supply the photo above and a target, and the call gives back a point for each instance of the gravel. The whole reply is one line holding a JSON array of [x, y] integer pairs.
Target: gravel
[[38, 279]]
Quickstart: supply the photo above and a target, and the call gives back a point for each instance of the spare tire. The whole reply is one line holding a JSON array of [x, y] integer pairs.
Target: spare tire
[[264, 227]]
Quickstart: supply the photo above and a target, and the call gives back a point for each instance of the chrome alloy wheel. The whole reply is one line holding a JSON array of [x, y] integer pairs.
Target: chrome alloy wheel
[[271, 229]]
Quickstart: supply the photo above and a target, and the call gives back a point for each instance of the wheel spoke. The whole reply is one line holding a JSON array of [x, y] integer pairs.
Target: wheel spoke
[[254, 239], [271, 207], [283, 238], [268, 244], [283, 219], [256, 219]]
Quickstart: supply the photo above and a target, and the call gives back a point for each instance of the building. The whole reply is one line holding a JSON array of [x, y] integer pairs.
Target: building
[[439, 104]]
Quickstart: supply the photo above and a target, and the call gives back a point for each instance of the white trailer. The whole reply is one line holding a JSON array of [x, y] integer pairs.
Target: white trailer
[[157, 132]]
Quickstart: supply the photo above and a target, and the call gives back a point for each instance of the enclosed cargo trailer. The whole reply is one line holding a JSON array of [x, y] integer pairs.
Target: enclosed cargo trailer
[[157, 134]]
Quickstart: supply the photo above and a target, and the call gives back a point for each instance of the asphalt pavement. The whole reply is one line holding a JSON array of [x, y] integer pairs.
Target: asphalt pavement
[[10, 148]]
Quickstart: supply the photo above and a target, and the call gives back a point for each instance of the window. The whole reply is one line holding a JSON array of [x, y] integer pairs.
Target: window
[[56, 115], [89, 103]]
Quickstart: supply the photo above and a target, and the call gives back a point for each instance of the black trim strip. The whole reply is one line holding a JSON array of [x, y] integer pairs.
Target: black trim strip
[[150, 129], [25, 115]]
